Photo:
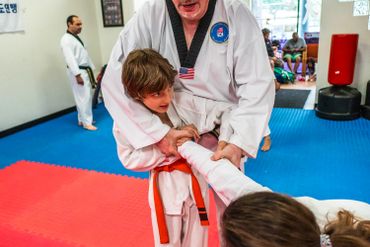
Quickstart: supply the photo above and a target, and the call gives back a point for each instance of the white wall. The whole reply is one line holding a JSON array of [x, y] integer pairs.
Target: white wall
[[108, 35], [33, 80], [336, 18]]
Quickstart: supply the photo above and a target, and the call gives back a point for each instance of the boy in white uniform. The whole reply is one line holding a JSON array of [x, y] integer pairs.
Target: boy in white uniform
[[176, 192]]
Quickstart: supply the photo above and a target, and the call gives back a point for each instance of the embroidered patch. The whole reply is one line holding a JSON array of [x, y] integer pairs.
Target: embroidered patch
[[186, 73], [220, 32]]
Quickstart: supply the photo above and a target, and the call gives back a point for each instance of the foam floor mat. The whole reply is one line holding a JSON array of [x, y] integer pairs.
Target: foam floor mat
[[50, 205]]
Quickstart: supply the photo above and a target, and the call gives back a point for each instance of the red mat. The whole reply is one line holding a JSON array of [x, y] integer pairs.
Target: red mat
[[49, 205]]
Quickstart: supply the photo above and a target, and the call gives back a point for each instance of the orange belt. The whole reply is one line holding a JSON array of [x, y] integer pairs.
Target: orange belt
[[180, 165]]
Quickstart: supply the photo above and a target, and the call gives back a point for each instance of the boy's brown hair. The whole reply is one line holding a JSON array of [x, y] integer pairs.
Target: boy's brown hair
[[146, 71]]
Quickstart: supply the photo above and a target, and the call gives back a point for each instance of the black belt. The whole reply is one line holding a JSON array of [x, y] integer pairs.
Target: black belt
[[91, 75]]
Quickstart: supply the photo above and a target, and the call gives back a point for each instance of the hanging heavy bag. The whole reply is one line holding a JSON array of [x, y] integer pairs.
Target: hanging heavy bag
[[283, 76]]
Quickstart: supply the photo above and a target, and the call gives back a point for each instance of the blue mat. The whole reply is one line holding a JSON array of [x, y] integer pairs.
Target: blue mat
[[62, 141], [315, 157], [309, 156]]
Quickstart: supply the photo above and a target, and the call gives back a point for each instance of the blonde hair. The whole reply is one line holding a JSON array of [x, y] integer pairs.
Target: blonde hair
[[348, 231], [266, 219], [146, 71]]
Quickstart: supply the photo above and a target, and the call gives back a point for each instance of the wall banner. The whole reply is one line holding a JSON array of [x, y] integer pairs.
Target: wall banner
[[10, 16]]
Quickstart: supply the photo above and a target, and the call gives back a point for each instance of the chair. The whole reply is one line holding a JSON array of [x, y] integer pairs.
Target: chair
[[311, 51]]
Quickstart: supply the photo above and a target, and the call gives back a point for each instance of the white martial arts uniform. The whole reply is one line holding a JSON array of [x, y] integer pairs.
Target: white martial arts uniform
[[267, 131], [236, 71], [229, 183], [75, 55], [175, 187]]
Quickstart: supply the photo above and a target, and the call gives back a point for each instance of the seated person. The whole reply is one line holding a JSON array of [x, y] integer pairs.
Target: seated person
[[274, 60], [277, 51], [293, 51], [311, 69]]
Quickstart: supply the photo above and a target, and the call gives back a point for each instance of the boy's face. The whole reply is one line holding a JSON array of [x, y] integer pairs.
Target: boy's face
[[160, 101]]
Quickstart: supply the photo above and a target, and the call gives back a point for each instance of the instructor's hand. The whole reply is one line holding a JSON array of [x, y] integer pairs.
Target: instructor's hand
[[228, 151], [168, 145]]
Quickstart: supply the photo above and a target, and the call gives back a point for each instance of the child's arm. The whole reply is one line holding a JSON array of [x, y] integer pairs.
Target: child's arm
[[141, 159], [228, 182], [150, 156]]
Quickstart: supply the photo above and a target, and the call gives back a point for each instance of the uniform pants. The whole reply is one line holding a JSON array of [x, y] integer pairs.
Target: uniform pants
[[184, 230], [83, 97]]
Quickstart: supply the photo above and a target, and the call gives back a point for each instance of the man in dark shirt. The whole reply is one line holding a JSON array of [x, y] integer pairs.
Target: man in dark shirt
[[274, 61]]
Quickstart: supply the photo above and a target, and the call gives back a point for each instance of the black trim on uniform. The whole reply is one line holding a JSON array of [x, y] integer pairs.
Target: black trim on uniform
[[78, 38], [189, 57]]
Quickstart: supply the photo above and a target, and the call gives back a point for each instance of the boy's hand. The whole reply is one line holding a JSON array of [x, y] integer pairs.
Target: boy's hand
[[168, 144], [228, 151], [192, 129]]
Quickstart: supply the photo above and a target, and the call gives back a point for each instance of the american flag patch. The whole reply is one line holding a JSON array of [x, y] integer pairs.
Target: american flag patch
[[186, 73]]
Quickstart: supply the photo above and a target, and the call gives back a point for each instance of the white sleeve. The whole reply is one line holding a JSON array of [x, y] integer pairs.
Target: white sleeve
[[142, 159], [326, 210], [227, 181], [225, 128], [141, 126], [253, 80], [67, 49]]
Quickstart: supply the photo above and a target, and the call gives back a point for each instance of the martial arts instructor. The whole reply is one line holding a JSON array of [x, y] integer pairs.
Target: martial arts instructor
[[80, 71], [219, 52]]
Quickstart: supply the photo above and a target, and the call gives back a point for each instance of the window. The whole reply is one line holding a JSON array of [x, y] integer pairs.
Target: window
[[280, 16], [283, 17]]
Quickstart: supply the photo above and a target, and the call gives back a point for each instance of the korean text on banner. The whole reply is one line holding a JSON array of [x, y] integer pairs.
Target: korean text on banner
[[10, 16]]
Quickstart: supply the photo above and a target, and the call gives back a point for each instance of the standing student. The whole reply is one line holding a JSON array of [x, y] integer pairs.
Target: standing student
[[179, 212], [79, 70], [176, 192], [148, 79]]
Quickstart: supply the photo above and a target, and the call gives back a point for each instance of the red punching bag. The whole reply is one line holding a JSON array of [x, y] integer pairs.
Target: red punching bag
[[342, 59]]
